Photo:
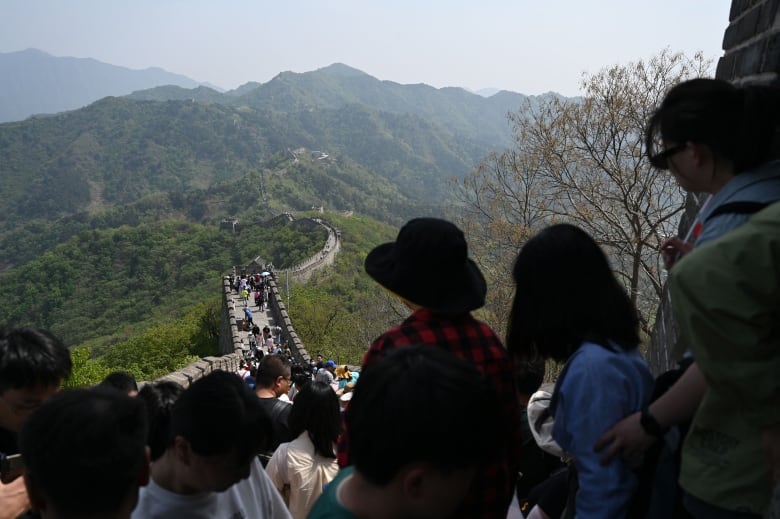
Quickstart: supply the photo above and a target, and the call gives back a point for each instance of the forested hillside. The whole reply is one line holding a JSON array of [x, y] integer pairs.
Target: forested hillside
[[109, 219], [102, 286]]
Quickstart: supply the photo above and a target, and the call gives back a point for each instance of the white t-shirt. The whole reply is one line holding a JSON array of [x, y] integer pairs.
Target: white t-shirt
[[305, 472], [252, 498]]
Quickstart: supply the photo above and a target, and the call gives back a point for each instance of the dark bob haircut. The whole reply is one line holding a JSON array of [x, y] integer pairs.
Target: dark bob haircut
[[566, 294], [316, 411]]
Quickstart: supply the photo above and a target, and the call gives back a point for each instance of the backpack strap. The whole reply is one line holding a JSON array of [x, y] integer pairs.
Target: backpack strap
[[738, 208]]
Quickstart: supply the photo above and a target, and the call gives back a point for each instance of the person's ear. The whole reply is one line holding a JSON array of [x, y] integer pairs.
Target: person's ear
[[701, 153], [183, 450], [413, 482]]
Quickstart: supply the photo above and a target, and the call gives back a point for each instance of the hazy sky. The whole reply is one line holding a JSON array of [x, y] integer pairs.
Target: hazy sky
[[528, 46]]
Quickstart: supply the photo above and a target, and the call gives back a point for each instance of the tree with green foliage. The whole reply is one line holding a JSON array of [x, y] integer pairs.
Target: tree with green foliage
[[158, 351]]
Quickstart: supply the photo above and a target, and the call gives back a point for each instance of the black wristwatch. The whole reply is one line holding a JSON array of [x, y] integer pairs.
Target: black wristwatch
[[650, 424]]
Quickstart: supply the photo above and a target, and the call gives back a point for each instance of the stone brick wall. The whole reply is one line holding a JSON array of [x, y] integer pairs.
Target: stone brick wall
[[751, 46], [751, 42]]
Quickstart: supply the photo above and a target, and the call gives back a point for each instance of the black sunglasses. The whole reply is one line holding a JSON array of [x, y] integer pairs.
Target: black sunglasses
[[661, 160]]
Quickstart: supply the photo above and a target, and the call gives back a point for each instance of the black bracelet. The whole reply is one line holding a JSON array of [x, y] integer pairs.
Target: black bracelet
[[650, 424]]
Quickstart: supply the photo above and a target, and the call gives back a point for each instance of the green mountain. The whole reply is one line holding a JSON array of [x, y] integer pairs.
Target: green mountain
[[118, 151], [103, 286], [109, 219], [462, 113]]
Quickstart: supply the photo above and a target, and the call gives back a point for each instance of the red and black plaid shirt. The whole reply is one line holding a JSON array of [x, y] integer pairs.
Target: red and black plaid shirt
[[462, 335]]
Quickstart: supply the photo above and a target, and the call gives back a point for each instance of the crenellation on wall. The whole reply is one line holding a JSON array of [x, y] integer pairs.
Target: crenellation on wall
[[772, 51], [177, 377], [750, 42], [740, 6]]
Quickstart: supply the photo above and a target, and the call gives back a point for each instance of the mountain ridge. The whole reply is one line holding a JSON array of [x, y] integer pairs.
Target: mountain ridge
[[33, 82]]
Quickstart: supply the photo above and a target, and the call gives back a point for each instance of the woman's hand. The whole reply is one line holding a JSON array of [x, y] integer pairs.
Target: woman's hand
[[627, 437], [673, 249], [13, 499]]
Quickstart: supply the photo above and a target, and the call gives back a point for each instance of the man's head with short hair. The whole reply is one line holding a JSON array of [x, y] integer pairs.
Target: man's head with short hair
[[275, 373], [122, 381], [417, 413], [85, 454], [33, 364], [217, 428]]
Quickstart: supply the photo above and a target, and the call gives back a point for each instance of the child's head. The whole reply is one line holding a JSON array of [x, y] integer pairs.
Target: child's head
[[565, 294], [421, 420]]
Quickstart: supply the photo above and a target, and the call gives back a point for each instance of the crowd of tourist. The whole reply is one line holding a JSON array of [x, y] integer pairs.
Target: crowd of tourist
[[444, 419]]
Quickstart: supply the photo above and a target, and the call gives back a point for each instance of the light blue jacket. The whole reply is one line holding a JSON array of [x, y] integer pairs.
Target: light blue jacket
[[596, 389], [758, 185]]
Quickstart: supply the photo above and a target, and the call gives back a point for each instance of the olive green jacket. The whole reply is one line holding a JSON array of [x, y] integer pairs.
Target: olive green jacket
[[726, 299]]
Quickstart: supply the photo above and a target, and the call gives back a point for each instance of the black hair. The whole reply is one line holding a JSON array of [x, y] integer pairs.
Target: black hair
[[31, 358], [84, 450], [120, 380], [529, 375], [738, 123], [316, 411], [218, 414], [159, 398], [271, 368], [565, 294], [301, 376], [421, 404]]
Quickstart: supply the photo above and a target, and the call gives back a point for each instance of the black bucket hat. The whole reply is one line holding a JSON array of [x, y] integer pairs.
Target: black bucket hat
[[428, 265]]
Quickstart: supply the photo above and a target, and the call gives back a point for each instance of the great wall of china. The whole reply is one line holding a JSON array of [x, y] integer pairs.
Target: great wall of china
[[233, 339], [751, 45]]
